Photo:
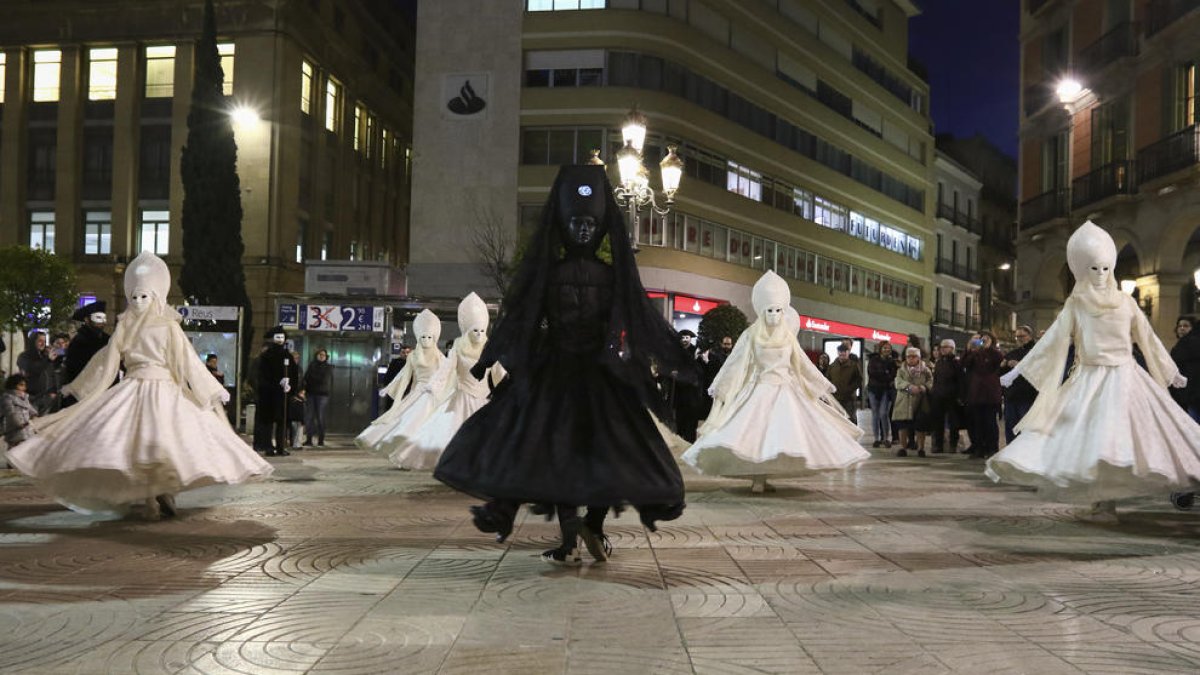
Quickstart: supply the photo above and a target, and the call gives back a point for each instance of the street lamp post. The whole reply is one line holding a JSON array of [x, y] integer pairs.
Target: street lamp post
[[634, 192]]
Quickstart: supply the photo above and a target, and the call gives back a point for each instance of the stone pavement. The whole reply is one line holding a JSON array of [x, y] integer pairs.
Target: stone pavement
[[342, 564]]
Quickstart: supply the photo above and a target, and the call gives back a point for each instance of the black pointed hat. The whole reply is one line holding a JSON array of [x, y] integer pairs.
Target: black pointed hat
[[89, 309]]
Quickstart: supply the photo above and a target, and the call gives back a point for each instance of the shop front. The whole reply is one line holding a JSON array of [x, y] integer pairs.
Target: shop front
[[824, 335]]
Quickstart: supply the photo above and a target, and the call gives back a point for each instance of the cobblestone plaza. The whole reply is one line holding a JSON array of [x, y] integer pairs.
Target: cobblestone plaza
[[342, 564]]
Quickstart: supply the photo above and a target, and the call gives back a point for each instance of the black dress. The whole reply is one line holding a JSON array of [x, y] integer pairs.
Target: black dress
[[572, 432]]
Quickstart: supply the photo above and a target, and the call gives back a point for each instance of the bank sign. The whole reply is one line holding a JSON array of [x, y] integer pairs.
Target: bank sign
[[850, 330], [332, 318]]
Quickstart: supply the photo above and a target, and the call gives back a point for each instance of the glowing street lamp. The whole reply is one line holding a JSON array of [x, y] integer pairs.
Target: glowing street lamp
[[634, 193], [245, 117]]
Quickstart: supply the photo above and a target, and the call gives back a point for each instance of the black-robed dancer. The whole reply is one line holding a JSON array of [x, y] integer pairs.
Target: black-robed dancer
[[571, 426]]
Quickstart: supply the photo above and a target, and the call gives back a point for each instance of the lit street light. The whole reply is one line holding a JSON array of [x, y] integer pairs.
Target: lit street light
[[635, 192], [245, 117]]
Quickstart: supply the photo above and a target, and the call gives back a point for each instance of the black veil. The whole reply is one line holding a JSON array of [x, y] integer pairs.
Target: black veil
[[639, 337]]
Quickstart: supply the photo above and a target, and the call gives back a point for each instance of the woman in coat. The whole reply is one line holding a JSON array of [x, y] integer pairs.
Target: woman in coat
[[913, 380]]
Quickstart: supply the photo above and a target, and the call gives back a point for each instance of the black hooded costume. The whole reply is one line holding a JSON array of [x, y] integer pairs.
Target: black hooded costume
[[274, 364], [571, 425], [89, 340]]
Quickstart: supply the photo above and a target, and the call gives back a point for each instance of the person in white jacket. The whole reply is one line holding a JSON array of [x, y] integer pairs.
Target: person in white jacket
[[772, 412], [160, 431], [1111, 430]]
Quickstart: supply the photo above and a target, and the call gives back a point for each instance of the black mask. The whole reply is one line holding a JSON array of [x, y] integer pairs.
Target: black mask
[[581, 207]]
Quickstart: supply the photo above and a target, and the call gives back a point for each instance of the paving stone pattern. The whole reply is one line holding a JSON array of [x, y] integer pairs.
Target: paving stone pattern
[[342, 564]]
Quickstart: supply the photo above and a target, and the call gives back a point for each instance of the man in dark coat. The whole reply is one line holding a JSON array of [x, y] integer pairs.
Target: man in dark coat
[[687, 401], [946, 396], [90, 339], [846, 374], [278, 373], [1186, 354], [1019, 397], [394, 367], [982, 368], [40, 368]]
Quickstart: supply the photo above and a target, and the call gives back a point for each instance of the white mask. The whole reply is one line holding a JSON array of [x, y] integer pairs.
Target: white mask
[[1098, 274], [477, 335], [98, 318], [773, 315], [427, 341], [279, 338], [140, 300]]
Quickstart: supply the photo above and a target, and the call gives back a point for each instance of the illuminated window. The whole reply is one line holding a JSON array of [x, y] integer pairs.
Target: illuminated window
[[557, 5], [3, 74], [102, 74], [743, 181], [359, 127], [160, 71], [47, 67], [385, 148], [306, 87], [41, 230], [226, 52], [301, 238], [97, 232], [333, 104], [155, 232], [326, 245], [370, 138]]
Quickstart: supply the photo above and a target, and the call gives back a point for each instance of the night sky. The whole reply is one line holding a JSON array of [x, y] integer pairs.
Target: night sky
[[971, 51]]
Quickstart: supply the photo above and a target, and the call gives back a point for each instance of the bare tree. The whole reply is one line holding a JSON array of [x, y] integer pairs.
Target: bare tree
[[495, 248]]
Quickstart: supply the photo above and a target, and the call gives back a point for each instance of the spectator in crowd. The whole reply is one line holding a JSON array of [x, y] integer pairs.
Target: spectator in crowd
[[393, 369], [946, 396], [911, 411], [1019, 397], [89, 339], [849, 345], [982, 369], [914, 341], [295, 406], [711, 361], [16, 410], [823, 364], [1186, 354], [846, 375], [210, 362], [39, 367], [686, 400], [881, 391], [318, 385]]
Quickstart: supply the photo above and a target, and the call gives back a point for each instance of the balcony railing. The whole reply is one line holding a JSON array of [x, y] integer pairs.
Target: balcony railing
[[1044, 207], [1163, 13], [957, 270], [1115, 44], [963, 220], [1173, 153], [960, 320], [943, 316], [1111, 179]]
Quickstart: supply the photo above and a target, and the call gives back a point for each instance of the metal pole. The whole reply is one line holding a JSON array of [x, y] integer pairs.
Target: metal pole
[[241, 377]]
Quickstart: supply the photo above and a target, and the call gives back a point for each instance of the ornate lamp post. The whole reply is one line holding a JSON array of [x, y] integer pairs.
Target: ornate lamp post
[[634, 192]]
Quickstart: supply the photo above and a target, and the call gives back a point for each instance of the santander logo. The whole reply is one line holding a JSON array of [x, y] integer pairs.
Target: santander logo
[[816, 325], [876, 335]]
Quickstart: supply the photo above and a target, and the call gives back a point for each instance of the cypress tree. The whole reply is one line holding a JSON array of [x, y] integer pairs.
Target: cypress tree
[[212, 271]]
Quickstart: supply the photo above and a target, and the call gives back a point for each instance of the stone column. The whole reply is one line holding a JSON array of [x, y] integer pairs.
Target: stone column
[[14, 147], [126, 139], [69, 156], [1162, 294]]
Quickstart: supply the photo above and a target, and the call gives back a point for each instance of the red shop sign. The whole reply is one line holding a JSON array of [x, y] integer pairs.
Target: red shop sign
[[850, 330], [690, 305]]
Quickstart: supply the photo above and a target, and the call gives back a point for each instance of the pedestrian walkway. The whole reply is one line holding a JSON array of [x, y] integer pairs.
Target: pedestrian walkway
[[342, 564]]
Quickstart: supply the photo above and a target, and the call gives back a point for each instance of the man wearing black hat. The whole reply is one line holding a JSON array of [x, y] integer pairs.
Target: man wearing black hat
[[90, 339], [686, 399], [277, 374]]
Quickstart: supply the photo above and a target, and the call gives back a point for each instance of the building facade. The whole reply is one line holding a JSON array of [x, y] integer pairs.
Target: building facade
[[94, 117], [1120, 147], [957, 234], [805, 139]]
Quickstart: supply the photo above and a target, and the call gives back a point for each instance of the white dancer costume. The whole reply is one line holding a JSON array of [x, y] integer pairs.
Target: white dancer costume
[[160, 431], [409, 412], [771, 413], [463, 394], [1111, 430]]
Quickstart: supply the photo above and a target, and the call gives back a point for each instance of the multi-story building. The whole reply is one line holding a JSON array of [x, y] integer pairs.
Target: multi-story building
[[997, 216], [957, 234], [1119, 146], [805, 139], [95, 115]]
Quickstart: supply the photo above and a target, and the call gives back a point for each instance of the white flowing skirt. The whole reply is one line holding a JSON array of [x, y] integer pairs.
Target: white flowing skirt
[[137, 440], [1116, 434], [422, 450], [773, 430], [397, 425]]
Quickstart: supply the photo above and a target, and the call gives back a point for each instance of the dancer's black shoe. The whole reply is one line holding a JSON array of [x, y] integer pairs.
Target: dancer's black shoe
[[487, 520], [597, 544], [563, 556]]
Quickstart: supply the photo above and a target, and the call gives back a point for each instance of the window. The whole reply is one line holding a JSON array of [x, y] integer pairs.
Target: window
[[830, 215], [155, 232], [326, 245], [306, 87], [1054, 162], [353, 250], [558, 5], [47, 70], [560, 146], [333, 103], [301, 238], [41, 230], [1183, 113], [97, 232], [1110, 132], [225, 51], [370, 137], [97, 162], [802, 203], [385, 148], [743, 181], [3, 73], [360, 129], [160, 71], [102, 74]]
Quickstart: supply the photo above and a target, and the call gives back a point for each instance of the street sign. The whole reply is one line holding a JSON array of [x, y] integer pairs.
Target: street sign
[[208, 313], [346, 318]]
